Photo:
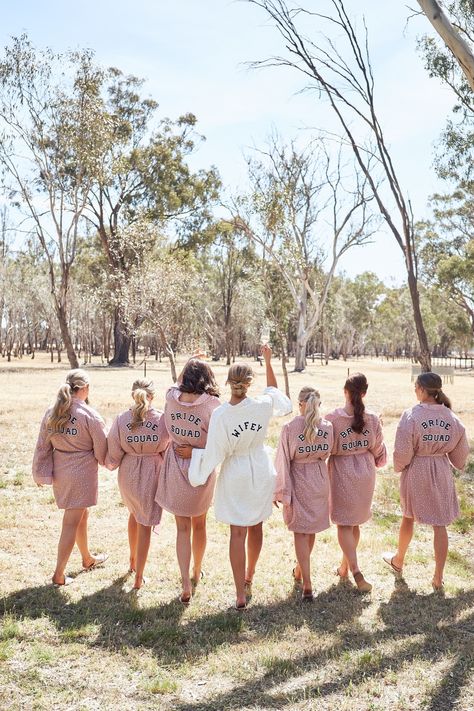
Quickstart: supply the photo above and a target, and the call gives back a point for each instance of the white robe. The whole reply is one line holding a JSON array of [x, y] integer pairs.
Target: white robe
[[244, 489]]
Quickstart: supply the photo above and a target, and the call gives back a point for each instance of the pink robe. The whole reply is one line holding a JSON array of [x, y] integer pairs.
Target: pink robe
[[430, 440], [302, 483], [352, 467], [69, 460], [187, 423], [138, 453]]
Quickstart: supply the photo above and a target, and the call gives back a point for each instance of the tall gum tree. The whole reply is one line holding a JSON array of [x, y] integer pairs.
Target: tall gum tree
[[342, 75], [304, 214], [454, 33], [144, 176], [51, 131]]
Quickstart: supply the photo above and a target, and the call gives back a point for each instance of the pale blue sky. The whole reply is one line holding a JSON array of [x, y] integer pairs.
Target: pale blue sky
[[193, 54]]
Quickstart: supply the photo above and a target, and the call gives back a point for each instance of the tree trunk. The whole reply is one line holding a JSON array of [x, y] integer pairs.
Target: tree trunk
[[121, 341], [301, 336], [284, 368], [425, 355], [66, 336], [169, 352], [452, 38]]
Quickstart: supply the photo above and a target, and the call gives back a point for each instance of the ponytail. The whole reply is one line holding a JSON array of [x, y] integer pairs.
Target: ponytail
[[312, 416], [142, 390], [75, 380], [432, 383], [356, 386]]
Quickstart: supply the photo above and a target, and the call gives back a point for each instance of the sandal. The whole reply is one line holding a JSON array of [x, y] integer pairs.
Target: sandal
[[67, 581], [338, 574], [144, 582], [185, 598], [307, 596], [388, 559], [361, 582], [438, 588], [195, 581], [98, 560], [241, 606]]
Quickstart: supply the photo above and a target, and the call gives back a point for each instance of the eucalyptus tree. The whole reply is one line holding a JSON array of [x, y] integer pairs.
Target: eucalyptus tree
[[454, 155], [144, 176], [306, 210], [454, 24], [52, 132], [447, 253], [336, 63]]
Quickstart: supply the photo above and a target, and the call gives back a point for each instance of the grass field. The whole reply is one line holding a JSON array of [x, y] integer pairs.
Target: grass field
[[96, 645]]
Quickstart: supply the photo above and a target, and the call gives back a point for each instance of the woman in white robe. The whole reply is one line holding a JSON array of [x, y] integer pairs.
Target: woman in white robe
[[244, 489]]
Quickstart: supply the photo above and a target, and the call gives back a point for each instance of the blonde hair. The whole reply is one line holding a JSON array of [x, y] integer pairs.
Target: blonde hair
[[75, 380], [141, 390], [312, 416], [239, 377]]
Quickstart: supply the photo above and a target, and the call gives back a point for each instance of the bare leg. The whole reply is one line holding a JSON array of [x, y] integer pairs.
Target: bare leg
[[404, 537], [303, 547], [143, 546], [441, 552], [183, 551], [132, 541], [254, 546], [238, 535], [344, 566], [198, 544], [345, 536], [67, 539]]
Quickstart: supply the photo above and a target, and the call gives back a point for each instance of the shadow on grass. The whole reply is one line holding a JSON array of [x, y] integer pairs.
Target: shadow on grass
[[416, 628], [120, 622]]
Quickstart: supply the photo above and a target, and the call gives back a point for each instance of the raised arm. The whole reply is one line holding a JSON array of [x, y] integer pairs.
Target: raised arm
[[267, 357]]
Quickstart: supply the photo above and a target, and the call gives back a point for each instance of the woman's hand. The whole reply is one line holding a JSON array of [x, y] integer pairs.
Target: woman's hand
[[266, 352], [183, 450]]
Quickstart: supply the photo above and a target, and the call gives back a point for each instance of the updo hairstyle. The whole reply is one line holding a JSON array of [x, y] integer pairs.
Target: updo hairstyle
[[239, 377]]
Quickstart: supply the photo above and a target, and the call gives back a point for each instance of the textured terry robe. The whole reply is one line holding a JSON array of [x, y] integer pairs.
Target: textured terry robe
[[138, 453], [430, 440], [69, 460], [302, 483], [244, 490], [352, 467], [187, 423]]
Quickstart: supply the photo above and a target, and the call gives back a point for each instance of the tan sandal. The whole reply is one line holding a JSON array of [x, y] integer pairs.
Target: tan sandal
[[388, 559], [361, 582]]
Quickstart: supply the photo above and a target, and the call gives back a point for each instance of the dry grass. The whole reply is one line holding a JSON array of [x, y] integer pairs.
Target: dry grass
[[95, 645]]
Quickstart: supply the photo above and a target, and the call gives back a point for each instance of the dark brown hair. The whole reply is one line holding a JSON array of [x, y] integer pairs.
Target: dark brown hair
[[357, 385], [198, 378], [432, 383]]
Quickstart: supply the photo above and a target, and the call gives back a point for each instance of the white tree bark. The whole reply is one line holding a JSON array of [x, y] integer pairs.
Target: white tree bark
[[451, 37]]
